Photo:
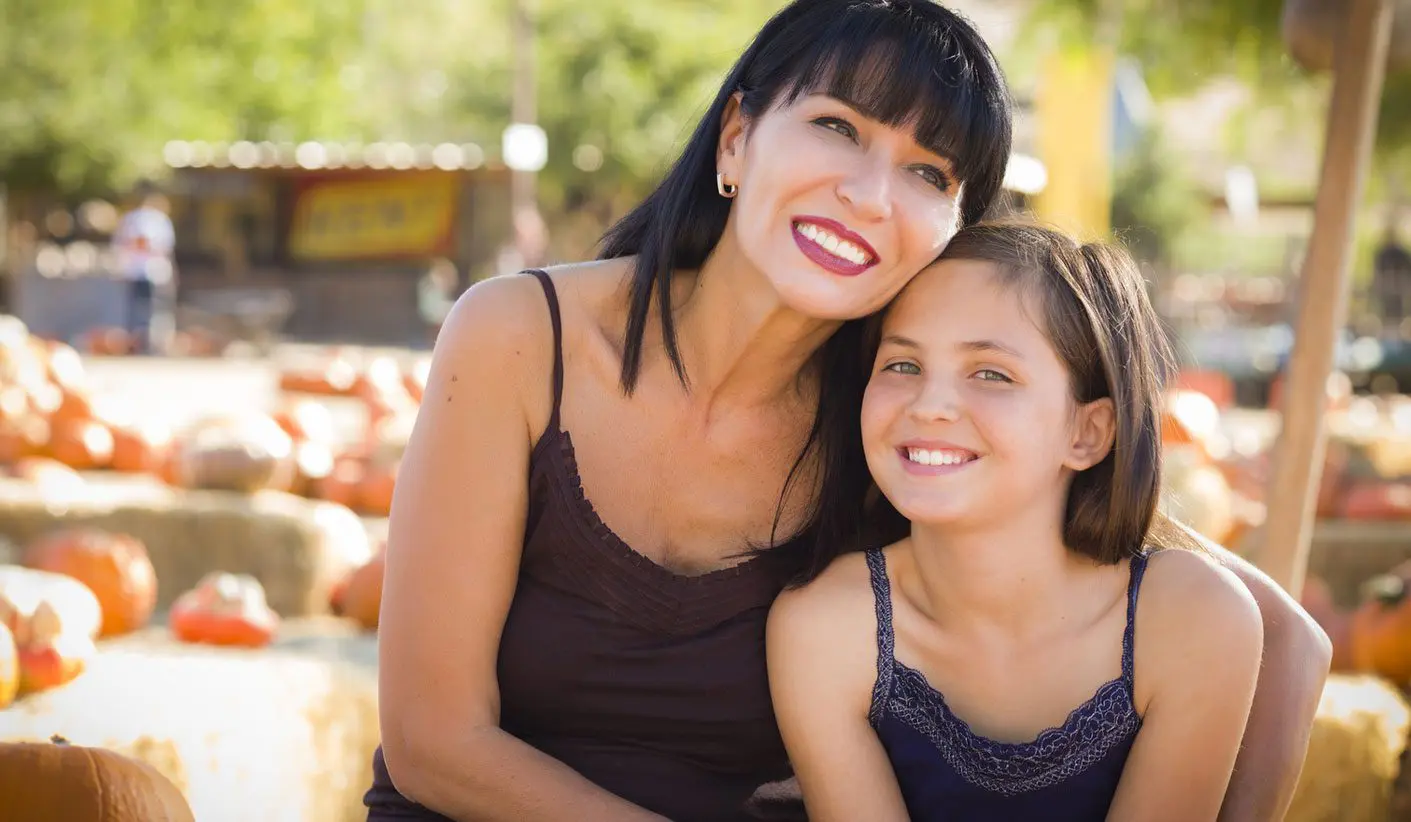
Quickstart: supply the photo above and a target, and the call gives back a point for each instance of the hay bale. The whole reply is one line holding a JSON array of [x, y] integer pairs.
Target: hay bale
[[283, 734], [296, 548], [1354, 753]]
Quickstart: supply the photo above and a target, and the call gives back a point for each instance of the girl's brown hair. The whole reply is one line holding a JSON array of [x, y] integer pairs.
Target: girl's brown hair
[[1101, 323]]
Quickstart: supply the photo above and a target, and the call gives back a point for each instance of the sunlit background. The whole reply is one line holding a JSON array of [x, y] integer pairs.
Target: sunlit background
[[337, 172]]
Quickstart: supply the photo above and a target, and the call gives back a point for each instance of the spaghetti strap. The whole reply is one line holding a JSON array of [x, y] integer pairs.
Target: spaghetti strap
[[1129, 636], [555, 318], [886, 640]]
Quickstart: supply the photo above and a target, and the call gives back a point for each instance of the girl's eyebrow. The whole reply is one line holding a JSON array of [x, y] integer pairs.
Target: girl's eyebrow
[[900, 341], [986, 346], [979, 346]]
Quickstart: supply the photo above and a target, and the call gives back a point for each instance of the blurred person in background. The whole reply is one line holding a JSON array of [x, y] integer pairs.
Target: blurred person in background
[[620, 464], [145, 241], [1391, 278]]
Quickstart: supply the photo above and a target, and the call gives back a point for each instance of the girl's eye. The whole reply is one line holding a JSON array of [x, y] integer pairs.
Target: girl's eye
[[841, 126], [909, 368], [991, 375], [934, 176]]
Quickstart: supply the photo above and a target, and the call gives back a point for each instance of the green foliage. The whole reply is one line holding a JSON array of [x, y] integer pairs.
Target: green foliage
[[1154, 204], [1182, 44], [93, 88]]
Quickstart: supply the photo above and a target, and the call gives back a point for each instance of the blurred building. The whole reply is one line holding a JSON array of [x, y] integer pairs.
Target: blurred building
[[347, 231]]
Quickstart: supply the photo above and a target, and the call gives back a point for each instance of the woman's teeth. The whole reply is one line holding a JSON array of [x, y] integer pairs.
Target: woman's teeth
[[923, 456], [833, 244]]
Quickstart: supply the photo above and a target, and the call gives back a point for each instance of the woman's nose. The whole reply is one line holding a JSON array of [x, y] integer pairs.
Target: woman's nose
[[867, 191]]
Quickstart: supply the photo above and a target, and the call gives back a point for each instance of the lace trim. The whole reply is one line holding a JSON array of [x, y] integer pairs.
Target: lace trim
[[1091, 731]]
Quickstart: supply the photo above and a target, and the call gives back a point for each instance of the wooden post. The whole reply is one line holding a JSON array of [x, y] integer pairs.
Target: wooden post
[[1359, 69]]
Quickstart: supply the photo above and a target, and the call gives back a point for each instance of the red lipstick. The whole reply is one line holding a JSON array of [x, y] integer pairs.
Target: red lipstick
[[825, 258]]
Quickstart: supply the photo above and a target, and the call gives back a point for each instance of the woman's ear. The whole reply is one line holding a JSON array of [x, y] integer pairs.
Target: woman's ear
[[729, 152], [1093, 434]]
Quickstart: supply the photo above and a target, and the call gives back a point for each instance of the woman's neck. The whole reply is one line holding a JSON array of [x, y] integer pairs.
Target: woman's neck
[[741, 345]]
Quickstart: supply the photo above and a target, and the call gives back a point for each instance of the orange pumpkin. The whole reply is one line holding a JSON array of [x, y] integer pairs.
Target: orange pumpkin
[[375, 490], [1381, 629], [141, 449], [9, 667], [313, 462], [51, 654], [305, 420], [225, 609], [343, 483], [26, 436], [115, 567], [1317, 600], [84, 444], [57, 780], [360, 598]]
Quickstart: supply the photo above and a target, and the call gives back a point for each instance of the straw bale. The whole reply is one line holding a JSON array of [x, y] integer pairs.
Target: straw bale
[[283, 734], [1354, 753], [296, 548]]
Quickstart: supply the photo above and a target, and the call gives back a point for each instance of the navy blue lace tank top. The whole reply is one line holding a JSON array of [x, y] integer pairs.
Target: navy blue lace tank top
[[948, 772]]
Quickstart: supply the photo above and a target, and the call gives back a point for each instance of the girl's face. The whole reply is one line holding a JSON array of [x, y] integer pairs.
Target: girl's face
[[969, 414], [837, 210]]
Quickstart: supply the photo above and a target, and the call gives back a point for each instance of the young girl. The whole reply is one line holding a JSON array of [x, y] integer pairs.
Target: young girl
[[1029, 651]]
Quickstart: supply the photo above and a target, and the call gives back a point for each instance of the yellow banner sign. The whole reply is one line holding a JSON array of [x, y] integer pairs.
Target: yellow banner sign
[[410, 214]]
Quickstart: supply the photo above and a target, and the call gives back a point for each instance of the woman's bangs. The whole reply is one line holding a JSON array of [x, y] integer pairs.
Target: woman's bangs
[[902, 71]]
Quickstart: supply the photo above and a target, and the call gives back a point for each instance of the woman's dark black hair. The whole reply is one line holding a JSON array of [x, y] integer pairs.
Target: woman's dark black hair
[[940, 79]]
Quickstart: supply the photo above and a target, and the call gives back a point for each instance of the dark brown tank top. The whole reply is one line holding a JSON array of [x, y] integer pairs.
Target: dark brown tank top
[[650, 684]]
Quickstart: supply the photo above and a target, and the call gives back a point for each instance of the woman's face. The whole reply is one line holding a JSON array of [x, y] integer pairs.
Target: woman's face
[[837, 210]]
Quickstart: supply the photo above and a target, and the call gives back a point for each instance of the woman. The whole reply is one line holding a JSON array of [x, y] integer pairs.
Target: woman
[[574, 627]]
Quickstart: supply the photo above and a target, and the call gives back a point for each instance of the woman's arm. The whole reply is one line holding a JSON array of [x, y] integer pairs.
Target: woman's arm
[[821, 650], [453, 557], [1297, 656], [1199, 635]]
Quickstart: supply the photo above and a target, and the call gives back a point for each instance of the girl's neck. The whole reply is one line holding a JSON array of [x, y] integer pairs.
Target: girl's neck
[[1010, 575]]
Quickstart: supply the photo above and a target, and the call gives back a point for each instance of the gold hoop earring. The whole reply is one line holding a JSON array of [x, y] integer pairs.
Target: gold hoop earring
[[726, 190]]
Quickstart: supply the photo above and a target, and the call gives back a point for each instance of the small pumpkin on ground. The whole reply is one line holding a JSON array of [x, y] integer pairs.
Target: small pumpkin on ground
[[75, 783], [9, 667], [1381, 629], [115, 567], [49, 654], [23, 590], [225, 609]]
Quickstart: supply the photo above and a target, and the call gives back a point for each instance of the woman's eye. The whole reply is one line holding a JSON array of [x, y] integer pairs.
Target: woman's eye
[[909, 368], [991, 375], [843, 127], [934, 176]]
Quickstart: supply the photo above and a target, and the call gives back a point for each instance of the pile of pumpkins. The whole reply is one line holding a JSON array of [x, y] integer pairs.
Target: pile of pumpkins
[[1220, 492], [51, 428], [1196, 485], [1373, 637], [79, 585]]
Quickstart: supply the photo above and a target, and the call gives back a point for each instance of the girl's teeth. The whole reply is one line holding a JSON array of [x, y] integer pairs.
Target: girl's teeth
[[924, 456]]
